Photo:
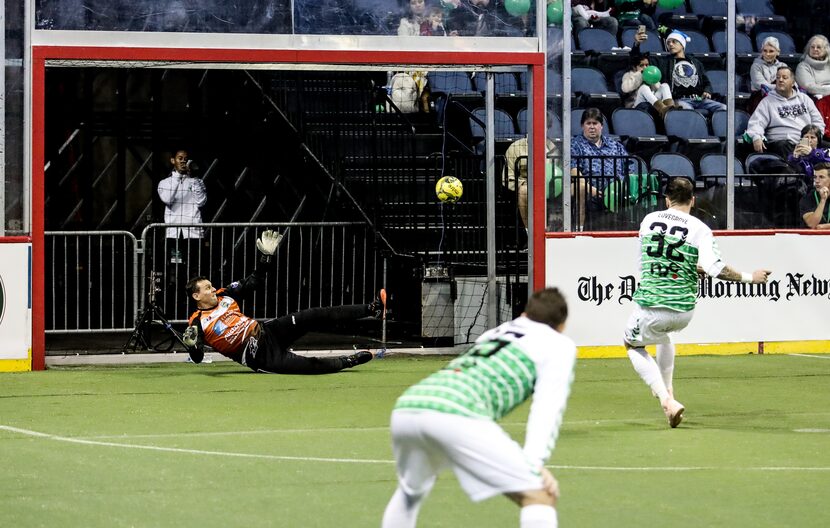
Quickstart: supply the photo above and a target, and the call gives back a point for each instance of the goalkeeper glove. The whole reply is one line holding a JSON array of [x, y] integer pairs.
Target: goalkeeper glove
[[267, 244], [190, 336]]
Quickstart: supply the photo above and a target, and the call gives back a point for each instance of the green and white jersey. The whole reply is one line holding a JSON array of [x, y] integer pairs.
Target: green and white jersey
[[504, 367], [672, 246]]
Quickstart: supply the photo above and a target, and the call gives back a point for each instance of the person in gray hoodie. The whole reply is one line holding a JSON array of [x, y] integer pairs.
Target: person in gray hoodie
[[775, 125], [764, 68], [813, 72]]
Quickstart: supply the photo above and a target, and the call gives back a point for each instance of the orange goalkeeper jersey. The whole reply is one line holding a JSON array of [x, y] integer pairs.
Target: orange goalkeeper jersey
[[225, 327]]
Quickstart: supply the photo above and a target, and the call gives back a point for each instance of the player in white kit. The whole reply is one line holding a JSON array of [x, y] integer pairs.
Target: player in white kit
[[674, 247], [448, 420]]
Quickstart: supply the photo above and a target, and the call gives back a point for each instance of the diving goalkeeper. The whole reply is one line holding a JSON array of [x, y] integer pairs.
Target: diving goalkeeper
[[264, 347]]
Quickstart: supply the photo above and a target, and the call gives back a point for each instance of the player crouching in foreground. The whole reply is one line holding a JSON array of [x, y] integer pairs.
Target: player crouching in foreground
[[264, 347], [448, 420], [674, 247]]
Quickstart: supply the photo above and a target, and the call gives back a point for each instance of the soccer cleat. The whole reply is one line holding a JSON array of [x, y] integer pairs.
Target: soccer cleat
[[674, 412], [378, 306], [358, 358]]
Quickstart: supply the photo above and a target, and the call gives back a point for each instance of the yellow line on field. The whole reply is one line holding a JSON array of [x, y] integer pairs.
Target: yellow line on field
[[717, 349]]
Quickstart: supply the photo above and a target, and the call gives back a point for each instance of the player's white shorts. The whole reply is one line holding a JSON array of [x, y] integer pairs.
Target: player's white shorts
[[651, 326], [484, 458]]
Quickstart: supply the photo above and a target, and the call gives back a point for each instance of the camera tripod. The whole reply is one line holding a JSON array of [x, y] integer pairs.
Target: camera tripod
[[153, 331]]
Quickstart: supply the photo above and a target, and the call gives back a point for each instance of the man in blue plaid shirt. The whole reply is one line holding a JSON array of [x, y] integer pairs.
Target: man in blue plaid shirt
[[588, 151]]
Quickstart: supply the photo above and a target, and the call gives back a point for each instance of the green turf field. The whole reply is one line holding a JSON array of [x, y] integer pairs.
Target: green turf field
[[213, 445]]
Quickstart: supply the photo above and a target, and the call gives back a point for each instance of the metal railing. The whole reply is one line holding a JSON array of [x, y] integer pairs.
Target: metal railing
[[91, 281], [98, 280]]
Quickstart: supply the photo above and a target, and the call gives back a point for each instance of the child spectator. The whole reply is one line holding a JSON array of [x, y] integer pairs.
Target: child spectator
[[654, 98]]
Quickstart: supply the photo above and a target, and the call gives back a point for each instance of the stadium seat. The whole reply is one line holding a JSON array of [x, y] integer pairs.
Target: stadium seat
[[554, 127], [714, 164], [712, 13], [719, 123], [743, 44], [596, 40], [450, 82], [554, 83], [636, 125], [765, 17], [521, 121], [785, 40], [689, 125], [689, 134], [719, 82], [654, 44], [591, 86], [673, 164], [756, 160], [504, 127], [676, 18], [754, 7], [505, 83], [699, 43]]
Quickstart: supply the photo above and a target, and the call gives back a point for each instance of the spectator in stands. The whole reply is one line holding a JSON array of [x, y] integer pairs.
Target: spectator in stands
[[482, 18], [587, 151], [516, 159], [813, 72], [593, 13], [815, 206], [656, 99], [776, 124], [410, 25], [808, 151], [685, 75], [633, 13], [765, 67], [762, 72], [433, 26]]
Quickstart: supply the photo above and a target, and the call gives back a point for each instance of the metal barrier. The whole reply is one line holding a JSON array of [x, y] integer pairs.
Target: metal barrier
[[98, 280], [91, 281], [316, 264]]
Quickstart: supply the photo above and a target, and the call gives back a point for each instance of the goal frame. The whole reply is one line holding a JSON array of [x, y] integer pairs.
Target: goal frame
[[42, 55]]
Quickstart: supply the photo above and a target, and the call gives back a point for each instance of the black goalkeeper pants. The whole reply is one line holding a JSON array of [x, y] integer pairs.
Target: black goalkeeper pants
[[270, 351]]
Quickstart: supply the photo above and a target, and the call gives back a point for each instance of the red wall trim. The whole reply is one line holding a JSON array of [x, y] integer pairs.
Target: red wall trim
[[15, 240]]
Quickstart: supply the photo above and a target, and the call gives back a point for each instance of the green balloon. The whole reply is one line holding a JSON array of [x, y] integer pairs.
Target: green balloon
[[553, 173], [670, 4], [651, 74], [517, 7], [555, 12]]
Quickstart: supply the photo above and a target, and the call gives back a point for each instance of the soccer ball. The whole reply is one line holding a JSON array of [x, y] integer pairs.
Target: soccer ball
[[449, 189]]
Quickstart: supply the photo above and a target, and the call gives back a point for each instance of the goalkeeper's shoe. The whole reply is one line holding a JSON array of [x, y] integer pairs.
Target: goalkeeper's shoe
[[358, 358], [674, 412], [378, 306]]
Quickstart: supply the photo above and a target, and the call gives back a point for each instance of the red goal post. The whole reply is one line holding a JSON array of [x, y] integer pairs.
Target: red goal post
[[68, 49]]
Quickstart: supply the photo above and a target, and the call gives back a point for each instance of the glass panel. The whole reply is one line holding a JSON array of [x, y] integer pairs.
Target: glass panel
[[512, 18], [12, 149], [778, 171]]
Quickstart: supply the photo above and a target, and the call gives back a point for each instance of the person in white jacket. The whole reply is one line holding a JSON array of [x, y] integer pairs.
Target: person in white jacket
[[448, 420], [813, 72], [775, 125], [764, 68], [183, 196]]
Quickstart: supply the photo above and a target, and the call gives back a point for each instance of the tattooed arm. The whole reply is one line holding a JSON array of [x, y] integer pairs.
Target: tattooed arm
[[756, 277]]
